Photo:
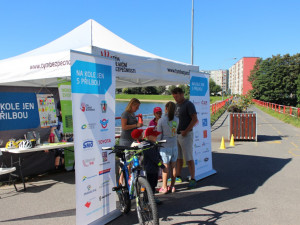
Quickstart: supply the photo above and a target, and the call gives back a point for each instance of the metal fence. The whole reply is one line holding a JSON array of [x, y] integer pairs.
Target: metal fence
[[287, 110]]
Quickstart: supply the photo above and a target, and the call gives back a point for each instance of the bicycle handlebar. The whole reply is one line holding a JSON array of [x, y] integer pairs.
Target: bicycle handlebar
[[118, 148]]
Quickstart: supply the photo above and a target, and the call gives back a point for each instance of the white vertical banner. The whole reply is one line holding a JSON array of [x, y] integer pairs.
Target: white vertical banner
[[199, 95], [93, 106]]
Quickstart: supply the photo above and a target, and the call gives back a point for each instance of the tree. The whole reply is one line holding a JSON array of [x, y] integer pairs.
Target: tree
[[160, 89], [213, 87], [275, 79]]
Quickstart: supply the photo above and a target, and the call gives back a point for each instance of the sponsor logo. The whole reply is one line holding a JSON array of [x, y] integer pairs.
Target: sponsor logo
[[206, 159], [104, 171], [88, 162], [197, 146], [104, 184], [86, 107], [103, 106], [104, 156], [104, 141], [89, 190], [204, 113], [90, 126], [104, 124], [104, 196], [204, 102], [205, 134], [105, 53], [195, 102], [84, 178], [204, 122], [206, 150], [88, 204], [88, 144]]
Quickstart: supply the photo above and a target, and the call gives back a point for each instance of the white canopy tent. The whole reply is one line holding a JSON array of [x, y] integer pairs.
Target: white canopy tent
[[134, 67]]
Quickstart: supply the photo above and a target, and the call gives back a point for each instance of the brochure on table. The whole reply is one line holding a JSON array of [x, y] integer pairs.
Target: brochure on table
[[199, 95], [93, 100]]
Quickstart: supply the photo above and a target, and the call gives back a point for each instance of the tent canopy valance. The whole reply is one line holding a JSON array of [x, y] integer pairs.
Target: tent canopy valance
[[134, 67]]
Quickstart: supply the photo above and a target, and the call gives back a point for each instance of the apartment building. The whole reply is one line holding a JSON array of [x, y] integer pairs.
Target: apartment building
[[221, 78], [238, 75]]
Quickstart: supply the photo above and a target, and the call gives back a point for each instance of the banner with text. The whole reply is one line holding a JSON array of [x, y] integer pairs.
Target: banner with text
[[93, 98], [65, 97], [199, 95], [18, 111]]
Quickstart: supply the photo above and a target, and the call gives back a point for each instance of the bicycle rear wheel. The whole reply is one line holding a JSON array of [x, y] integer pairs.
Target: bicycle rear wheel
[[123, 195], [145, 203]]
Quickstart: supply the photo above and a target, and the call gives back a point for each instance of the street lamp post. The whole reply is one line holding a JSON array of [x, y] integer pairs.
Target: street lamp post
[[192, 44]]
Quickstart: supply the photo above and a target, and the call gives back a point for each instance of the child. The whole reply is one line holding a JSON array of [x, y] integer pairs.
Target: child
[[167, 125], [152, 158], [157, 111]]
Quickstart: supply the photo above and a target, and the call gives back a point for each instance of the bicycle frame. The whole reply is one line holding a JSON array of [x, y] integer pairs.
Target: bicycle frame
[[130, 182]]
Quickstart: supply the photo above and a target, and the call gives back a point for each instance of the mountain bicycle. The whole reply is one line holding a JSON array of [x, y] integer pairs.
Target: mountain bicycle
[[132, 185]]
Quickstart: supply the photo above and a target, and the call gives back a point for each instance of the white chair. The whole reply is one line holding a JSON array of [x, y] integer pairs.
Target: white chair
[[7, 170]]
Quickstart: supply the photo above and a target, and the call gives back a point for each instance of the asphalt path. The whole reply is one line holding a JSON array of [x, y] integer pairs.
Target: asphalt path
[[256, 183]]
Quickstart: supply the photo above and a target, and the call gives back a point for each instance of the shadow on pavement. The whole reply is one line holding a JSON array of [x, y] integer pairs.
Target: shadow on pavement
[[263, 138], [237, 175], [63, 213]]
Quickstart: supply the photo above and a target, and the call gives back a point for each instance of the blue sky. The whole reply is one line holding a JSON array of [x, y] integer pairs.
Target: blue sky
[[224, 29]]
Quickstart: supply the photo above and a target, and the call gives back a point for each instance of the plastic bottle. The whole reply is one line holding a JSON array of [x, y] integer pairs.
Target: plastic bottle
[[140, 120], [52, 137]]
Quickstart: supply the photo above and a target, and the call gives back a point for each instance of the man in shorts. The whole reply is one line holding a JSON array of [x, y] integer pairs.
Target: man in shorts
[[186, 112]]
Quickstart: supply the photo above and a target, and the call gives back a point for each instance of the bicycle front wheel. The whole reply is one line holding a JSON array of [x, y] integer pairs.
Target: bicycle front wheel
[[145, 203]]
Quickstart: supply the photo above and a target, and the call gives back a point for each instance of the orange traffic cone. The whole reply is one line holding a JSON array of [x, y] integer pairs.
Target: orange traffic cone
[[232, 141], [222, 146]]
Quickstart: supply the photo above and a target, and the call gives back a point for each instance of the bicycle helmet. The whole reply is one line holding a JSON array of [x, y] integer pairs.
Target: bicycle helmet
[[11, 144], [26, 144], [18, 142]]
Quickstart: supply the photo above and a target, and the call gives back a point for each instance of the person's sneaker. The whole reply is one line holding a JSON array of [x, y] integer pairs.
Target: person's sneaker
[[178, 179], [157, 201], [163, 190], [171, 189], [192, 184]]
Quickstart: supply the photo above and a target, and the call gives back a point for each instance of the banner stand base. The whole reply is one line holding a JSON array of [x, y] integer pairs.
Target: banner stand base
[[107, 218], [206, 174]]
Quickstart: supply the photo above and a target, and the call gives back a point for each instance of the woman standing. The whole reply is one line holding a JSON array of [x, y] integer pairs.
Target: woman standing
[[129, 122], [167, 125]]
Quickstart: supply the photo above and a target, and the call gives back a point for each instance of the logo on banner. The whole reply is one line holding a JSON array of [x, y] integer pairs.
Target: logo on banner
[[89, 190], [204, 122], [104, 196], [84, 178], [105, 53], [88, 144], [104, 141], [88, 162], [104, 171], [205, 134], [90, 126], [206, 159], [104, 184], [103, 106], [104, 156], [86, 107], [88, 204], [104, 124], [204, 102]]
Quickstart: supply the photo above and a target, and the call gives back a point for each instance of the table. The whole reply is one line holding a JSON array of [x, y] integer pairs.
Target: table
[[35, 149]]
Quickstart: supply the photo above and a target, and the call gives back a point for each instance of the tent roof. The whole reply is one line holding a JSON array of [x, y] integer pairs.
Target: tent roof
[[90, 33], [89, 37]]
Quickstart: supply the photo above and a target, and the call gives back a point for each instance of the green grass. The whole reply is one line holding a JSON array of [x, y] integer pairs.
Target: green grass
[[215, 117], [160, 97], [283, 117]]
